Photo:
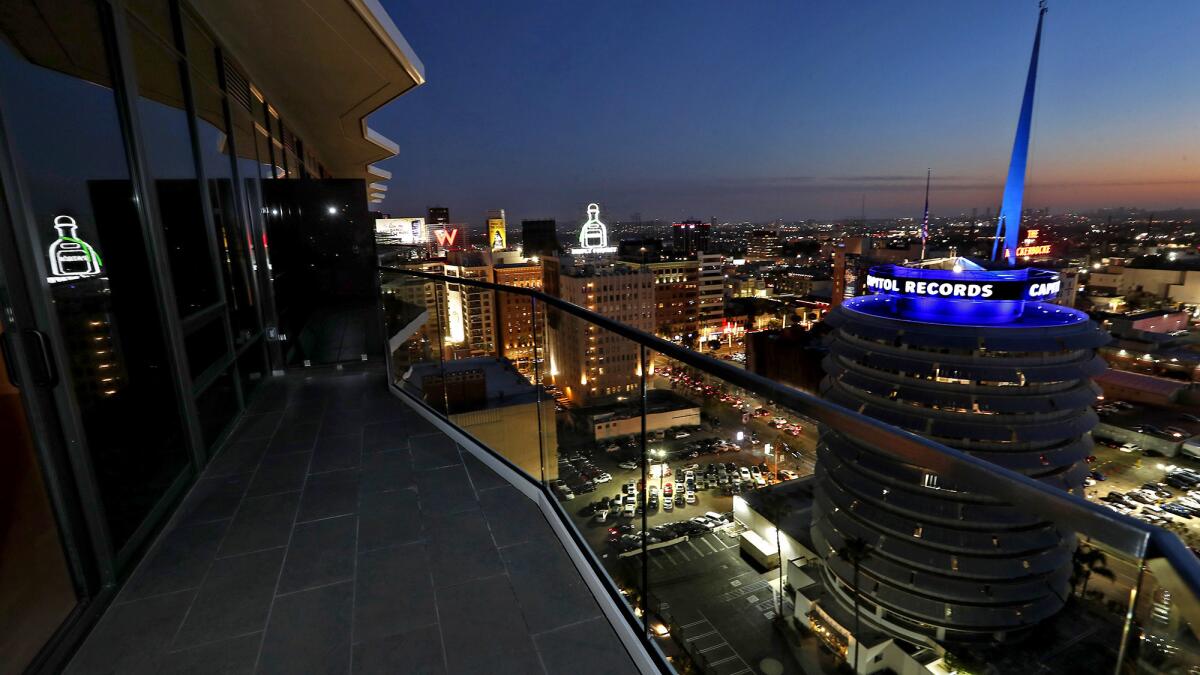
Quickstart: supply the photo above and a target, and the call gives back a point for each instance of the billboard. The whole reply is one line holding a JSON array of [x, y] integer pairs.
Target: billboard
[[407, 231], [497, 239]]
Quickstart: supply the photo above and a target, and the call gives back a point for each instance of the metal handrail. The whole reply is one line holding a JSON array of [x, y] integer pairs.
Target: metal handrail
[[1123, 534]]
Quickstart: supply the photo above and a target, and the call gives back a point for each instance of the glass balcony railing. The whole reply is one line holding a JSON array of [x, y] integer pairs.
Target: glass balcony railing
[[691, 482]]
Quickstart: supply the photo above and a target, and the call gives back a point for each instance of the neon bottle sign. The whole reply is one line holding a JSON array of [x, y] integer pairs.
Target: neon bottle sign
[[71, 258], [593, 236]]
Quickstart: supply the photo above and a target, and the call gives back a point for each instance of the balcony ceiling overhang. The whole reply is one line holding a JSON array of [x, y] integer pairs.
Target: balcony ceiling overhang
[[324, 65]]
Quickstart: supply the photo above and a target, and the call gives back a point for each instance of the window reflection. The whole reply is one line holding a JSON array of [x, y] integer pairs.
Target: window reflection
[[67, 143]]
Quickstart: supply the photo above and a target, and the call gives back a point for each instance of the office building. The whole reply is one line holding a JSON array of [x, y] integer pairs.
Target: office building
[[712, 293], [763, 246], [518, 321], [470, 311], [689, 237], [437, 215], [676, 297], [588, 364], [539, 238]]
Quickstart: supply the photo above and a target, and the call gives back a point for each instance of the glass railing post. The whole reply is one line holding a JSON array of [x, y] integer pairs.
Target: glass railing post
[[441, 341], [645, 503], [537, 383]]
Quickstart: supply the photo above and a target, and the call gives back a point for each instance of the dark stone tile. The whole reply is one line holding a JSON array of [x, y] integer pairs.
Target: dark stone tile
[[333, 453], [384, 471], [305, 412], [587, 648], [513, 517], [234, 599], [482, 477], [388, 519], [535, 566], [296, 437], [340, 422], [178, 561], [261, 523], [446, 490], [433, 451], [393, 592], [261, 425], [212, 499], [461, 548], [418, 652], [310, 632], [235, 656], [334, 493], [237, 458], [130, 635], [279, 473], [322, 552], [384, 436], [485, 607]]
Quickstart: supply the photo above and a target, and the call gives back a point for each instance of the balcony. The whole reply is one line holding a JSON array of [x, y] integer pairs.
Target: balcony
[[479, 511], [340, 531]]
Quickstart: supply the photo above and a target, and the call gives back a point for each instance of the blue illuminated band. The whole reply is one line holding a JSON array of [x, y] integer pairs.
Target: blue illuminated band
[[964, 296]]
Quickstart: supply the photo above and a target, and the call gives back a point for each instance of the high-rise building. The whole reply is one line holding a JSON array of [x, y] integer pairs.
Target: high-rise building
[[585, 362], [712, 293], [676, 297], [470, 311], [980, 361], [437, 215], [539, 237], [763, 245], [517, 319], [689, 237]]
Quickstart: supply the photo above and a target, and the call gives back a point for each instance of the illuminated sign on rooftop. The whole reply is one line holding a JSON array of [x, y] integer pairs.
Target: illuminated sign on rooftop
[[593, 236], [962, 292]]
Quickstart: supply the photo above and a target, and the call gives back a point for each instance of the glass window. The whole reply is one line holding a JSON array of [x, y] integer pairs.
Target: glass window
[[216, 407], [232, 245], [172, 168], [205, 346], [67, 143]]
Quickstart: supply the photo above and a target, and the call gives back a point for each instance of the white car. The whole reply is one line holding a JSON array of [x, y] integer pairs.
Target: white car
[[681, 434], [715, 517], [602, 478], [601, 515], [745, 474], [689, 476], [630, 510], [1130, 447], [628, 466], [690, 497], [668, 504]]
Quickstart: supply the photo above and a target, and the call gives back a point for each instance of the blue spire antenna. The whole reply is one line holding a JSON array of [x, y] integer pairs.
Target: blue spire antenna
[[1009, 224]]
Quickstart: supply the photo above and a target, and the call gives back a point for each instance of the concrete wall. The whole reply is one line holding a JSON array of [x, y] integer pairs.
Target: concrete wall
[[1147, 441]]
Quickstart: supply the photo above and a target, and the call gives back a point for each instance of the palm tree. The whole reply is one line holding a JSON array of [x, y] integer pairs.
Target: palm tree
[[774, 507], [854, 551], [1085, 563]]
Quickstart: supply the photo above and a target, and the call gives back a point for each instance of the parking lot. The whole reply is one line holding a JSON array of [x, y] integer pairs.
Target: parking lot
[[1128, 472]]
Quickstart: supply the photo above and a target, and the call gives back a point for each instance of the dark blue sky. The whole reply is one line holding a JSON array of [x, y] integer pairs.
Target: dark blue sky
[[755, 111]]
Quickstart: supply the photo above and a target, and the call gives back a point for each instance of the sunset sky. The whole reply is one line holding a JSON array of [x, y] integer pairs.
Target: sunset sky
[[756, 111]]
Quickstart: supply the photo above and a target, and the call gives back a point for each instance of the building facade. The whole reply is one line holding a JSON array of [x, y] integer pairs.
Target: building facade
[[518, 320], [712, 293], [1006, 379], [689, 237], [763, 246], [588, 364], [539, 238]]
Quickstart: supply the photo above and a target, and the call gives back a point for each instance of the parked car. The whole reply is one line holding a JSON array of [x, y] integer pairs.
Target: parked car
[[1130, 447]]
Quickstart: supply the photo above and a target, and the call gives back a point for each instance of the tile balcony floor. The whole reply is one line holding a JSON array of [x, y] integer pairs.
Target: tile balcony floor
[[339, 532]]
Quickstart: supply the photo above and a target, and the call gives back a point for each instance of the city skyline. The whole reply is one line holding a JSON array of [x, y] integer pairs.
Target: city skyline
[[541, 126]]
